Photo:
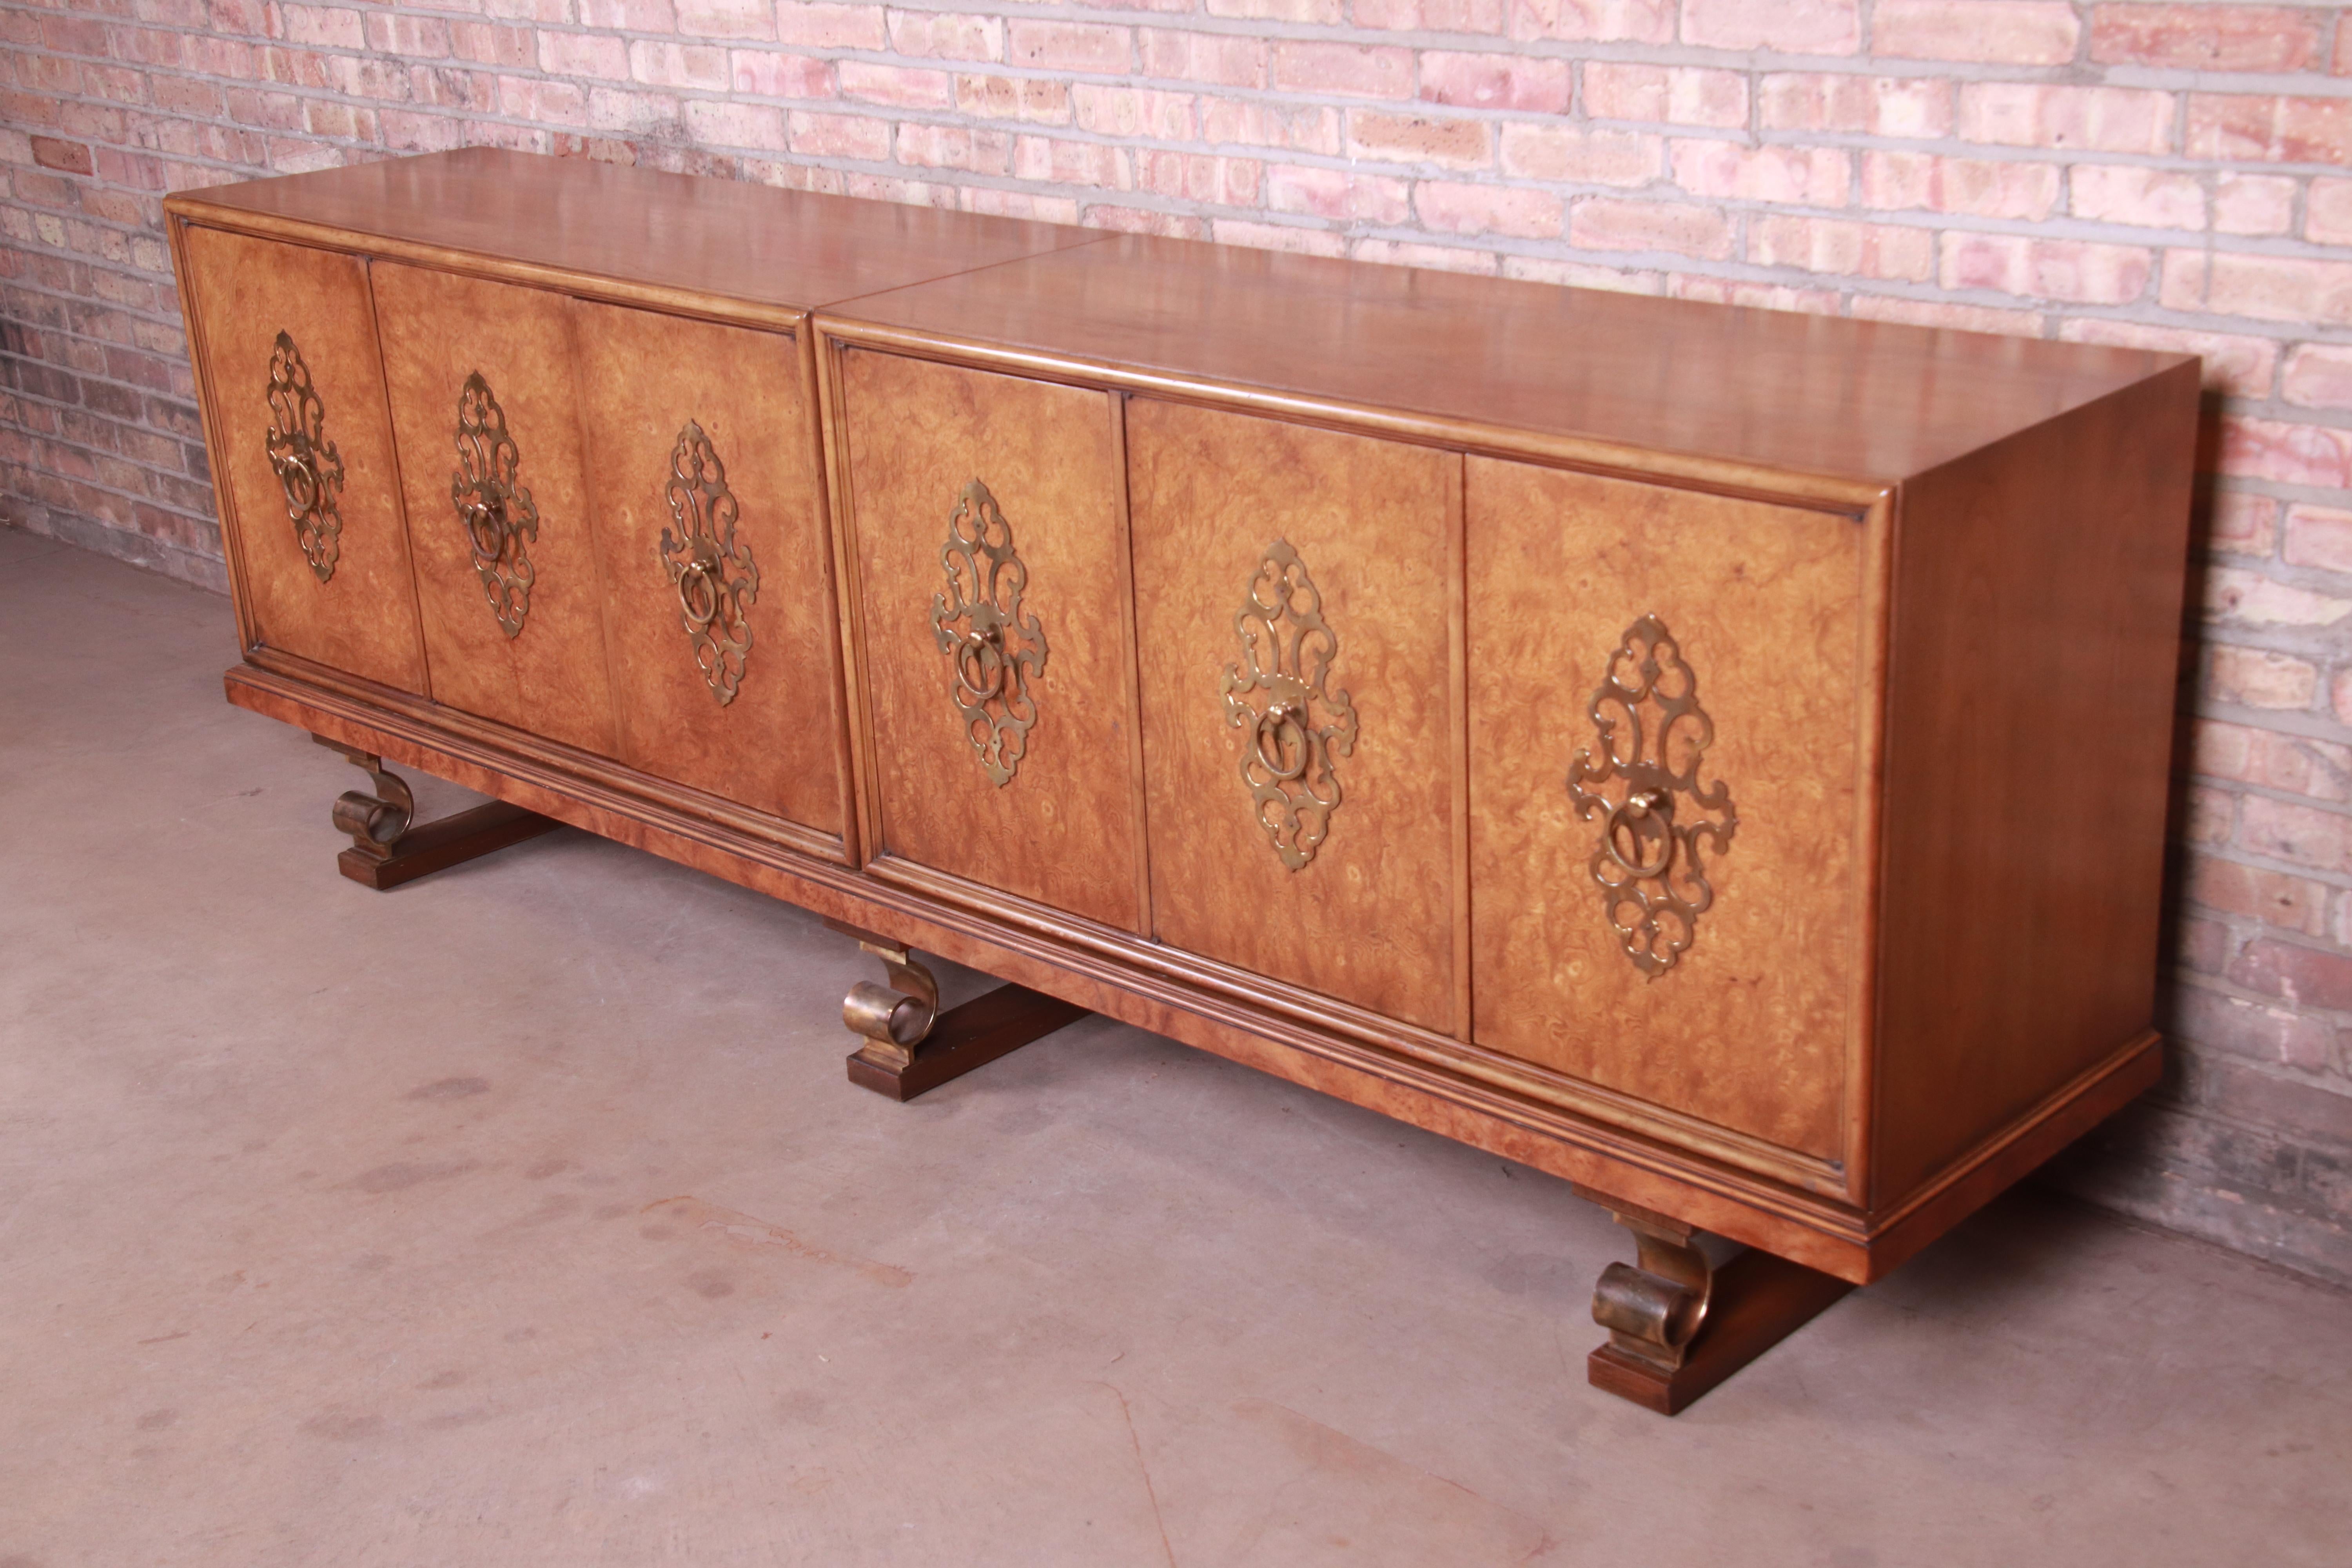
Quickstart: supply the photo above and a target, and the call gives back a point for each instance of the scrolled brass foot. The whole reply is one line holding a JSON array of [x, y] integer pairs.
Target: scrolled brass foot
[[892, 1020], [1654, 1307], [376, 822], [389, 847]]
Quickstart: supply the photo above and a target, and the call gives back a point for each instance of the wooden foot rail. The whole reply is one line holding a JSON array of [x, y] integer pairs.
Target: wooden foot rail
[[387, 850], [906, 1046]]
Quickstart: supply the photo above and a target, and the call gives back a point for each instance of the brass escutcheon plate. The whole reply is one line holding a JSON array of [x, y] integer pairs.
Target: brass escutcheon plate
[[715, 576], [306, 462], [995, 650], [493, 506], [1293, 721]]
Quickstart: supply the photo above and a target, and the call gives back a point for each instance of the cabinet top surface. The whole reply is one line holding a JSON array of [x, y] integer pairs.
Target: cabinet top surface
[[722, 239], [1857, 400]]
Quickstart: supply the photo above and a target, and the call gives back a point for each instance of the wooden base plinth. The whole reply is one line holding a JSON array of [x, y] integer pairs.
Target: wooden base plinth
[[965, 1038], [1759, 1300], [437, 846]]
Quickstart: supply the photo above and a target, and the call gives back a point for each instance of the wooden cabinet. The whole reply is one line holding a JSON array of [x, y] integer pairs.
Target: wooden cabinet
[[705, 481], [303, 448], [1606, 731], [487, 410], [983, 516], [1301, 697]]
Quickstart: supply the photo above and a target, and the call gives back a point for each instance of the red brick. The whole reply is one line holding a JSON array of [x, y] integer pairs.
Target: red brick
[[1594, 21], [2302, 835], [1070, 46], [1438, 257], [1431, 16], [1575, 155], [2274, 898], [1006, 97], [1125, 219], [767, 73], [1756, 296], [2314, 455], [1839, 246], [2269, 38], [1062, 163], [808, 25], [2252, 599], [1199, 177], [583, 54], [839, 135], [487, 44], [1873, 105], [1351, 70], [1677, 95], [2240, 523], [2319, 536], [1800, 176], [902, 86], [1289, 237], [737, 125], [1420, 139], [72, 157], [1791, 27], [2252, 203], [2263, 1034], [1495, 81], [2242, 365], [2000, 32], [1305, 128], [1133, 111], [1525, 214], [1216, 58], [1325, 12], [976, 150], [947, 36], [2327, 213], [1604, 223], [2267, 287], [2257, 678], [622, 17], [2079, 118], [2319, 377], [2248, 127], [730, 18], [1339, 195], [2129, 194], [1018, 203], [1900, 181]]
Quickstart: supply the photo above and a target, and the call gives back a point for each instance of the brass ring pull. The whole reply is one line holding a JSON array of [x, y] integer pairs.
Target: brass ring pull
[[697, 596], [1645, 825], [486, 528], [299, 477], [1281, 741], [983, 652]]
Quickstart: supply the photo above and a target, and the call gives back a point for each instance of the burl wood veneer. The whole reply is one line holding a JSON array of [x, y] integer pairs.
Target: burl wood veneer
[[1618, 733]]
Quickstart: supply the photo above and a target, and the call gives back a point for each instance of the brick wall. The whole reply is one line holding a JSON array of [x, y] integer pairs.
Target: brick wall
[[2163, 174]]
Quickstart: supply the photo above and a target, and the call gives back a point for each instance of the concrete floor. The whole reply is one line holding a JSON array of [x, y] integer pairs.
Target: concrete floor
[[523, 1215]]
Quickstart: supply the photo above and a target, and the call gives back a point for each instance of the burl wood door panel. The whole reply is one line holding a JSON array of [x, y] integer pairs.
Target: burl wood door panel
[[725, 666], [1336, 552], [253, 296], [1062, 828], [1750, 1026], [439, 331]]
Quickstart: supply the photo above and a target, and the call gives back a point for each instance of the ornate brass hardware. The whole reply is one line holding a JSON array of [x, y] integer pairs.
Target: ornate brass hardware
[[1656, 1308], [1652, 736], [715, 578], [304, 461], [1286, 755], [496, 510], [994, 651], [892, 1019]]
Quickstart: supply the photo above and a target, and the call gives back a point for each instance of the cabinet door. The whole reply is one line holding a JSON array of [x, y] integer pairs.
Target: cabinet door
[[1293, 590], [710, 524], [480, 377], [985, 520], [295, 399], [1743, 621]]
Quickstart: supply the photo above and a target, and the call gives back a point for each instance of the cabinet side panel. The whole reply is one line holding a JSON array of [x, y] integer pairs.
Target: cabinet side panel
[[363, 618], [2036, 632], [438, 329], [1751, 1025], [773, 744], [1062, 829], [1369, 917]]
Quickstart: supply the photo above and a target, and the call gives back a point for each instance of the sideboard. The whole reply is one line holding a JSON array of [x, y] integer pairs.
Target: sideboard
[[1716, 756]]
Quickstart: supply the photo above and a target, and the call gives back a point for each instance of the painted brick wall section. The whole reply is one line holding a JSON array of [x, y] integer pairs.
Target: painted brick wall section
[[2171, 175]]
